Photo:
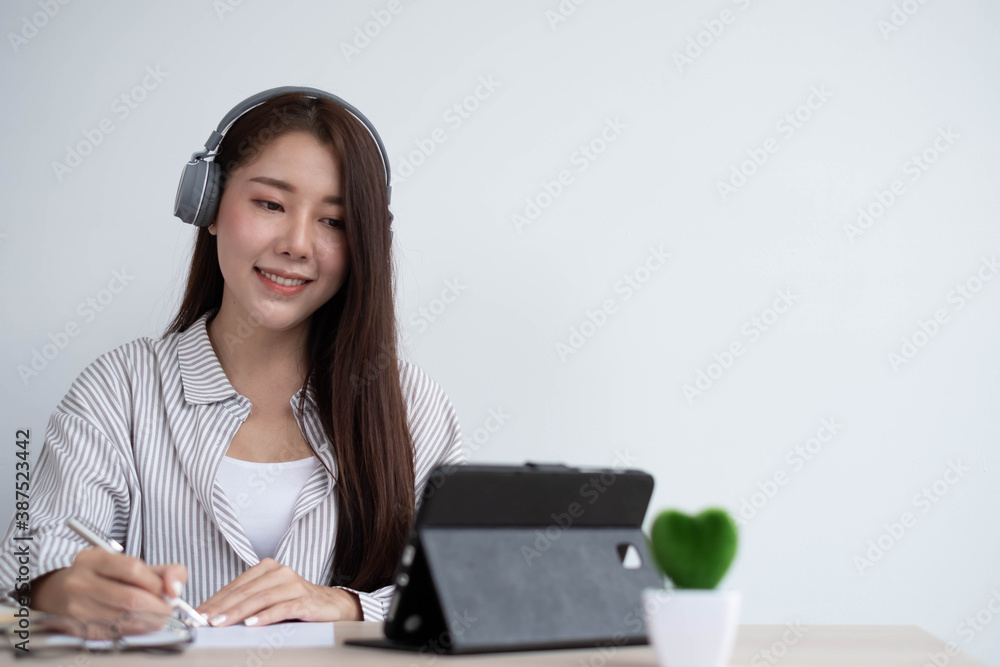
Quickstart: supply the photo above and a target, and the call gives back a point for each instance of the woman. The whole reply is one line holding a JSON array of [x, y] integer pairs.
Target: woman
[[264, 458]]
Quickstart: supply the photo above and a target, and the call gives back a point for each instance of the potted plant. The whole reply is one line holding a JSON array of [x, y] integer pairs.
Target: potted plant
[[692, 624]]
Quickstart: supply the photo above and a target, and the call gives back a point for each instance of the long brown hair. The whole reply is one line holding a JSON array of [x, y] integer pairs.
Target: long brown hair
[[350, 335]]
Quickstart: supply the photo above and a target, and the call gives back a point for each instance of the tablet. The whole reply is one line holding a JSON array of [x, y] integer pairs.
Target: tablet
[[509, 558]]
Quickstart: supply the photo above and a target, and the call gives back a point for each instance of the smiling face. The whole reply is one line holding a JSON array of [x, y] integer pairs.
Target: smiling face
[[281, 219]]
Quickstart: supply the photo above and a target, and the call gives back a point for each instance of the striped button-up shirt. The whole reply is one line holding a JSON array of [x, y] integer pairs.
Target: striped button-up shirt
[[134, 447]]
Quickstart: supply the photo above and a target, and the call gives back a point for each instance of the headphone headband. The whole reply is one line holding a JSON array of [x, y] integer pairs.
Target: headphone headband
[[198, 194]]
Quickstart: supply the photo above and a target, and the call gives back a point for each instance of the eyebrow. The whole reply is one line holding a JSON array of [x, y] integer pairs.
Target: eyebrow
[[287, 187]]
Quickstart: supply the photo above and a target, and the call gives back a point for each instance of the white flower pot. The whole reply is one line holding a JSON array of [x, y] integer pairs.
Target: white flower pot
[[691, 628]]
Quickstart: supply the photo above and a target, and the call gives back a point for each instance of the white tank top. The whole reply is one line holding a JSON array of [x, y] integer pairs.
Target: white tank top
[[263, 496]]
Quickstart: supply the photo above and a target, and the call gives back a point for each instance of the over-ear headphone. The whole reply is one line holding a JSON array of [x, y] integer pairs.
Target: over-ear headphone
[[197, 197]]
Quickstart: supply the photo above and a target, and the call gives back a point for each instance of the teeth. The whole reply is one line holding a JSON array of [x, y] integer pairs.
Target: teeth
[[287, 282]]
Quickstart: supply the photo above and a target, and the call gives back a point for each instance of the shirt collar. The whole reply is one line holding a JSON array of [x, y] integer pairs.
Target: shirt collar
[[204, 382], [202, 376]]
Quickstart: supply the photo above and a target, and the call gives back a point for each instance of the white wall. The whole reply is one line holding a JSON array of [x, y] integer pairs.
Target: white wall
[[683, 129]]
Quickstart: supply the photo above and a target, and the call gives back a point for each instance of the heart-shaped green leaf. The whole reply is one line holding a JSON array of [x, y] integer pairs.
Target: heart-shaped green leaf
[[694, 552]]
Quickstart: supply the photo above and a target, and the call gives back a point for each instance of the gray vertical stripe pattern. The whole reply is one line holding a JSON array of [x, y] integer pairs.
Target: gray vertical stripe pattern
[[134, 448]]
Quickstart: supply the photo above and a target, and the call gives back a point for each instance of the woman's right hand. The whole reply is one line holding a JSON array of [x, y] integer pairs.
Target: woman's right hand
[[110, 592]]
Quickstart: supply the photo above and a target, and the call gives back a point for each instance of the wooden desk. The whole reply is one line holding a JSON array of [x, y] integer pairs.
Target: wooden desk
[[818, 646]]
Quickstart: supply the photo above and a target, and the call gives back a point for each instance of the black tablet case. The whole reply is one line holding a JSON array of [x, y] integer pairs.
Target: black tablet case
[[497, 561]]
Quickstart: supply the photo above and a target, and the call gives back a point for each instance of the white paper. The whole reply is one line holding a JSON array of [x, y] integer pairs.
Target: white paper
[[293, 634]]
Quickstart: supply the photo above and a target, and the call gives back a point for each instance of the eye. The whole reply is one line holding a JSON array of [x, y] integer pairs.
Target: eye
[[264, 204], [334, 222]]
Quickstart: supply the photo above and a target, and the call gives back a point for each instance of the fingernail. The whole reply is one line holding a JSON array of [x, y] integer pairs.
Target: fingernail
[[204, 615], [219, 620], [250, 621], [178, 587]]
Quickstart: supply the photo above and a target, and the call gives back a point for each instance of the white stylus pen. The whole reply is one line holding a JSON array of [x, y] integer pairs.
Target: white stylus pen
[[97, 540]]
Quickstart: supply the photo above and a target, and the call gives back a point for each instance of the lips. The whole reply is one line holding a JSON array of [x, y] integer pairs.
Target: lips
[[281, 280]]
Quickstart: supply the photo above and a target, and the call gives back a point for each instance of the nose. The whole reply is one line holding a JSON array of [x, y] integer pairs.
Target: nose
[[296, 238]]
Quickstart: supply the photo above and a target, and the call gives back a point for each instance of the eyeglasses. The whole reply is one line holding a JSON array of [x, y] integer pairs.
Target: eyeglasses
[[47, 634]]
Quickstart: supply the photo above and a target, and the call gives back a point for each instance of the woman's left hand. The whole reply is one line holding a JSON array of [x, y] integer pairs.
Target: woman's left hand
[[270, 592]]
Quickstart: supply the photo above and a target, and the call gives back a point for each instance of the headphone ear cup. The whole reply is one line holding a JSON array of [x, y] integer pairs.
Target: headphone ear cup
[[197, 193], [189, 191], [210, 202]]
